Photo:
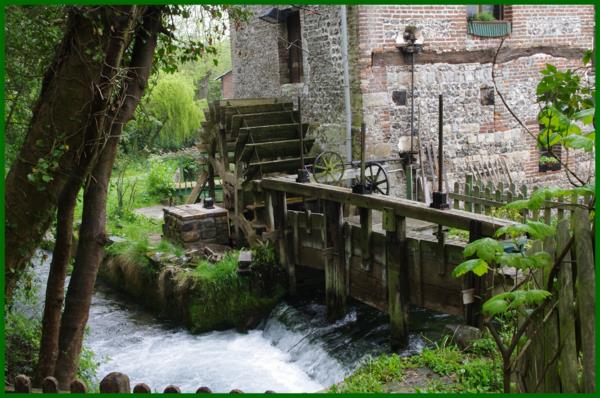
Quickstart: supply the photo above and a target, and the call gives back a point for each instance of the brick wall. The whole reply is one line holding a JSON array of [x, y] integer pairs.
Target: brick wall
[[473, 132]]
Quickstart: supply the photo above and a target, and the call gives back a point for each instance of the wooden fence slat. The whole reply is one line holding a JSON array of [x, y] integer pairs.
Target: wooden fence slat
[[586, 301], [550, 328], [567, 361], [456, 202], [468, 192], [476, 194]]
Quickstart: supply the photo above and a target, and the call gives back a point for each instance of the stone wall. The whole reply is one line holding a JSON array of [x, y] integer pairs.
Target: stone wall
[[473, 130], [256, 68]]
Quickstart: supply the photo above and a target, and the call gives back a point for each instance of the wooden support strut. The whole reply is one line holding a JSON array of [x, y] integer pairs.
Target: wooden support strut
[[472, 285], [335, 267], [396, 258]]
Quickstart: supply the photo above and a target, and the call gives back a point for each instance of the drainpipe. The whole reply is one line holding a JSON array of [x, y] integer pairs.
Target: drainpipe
[[347, 107]]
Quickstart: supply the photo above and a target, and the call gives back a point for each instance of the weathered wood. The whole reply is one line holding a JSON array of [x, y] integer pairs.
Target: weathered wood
[[397, 280], [274, 149], [115, 382], [473, 309], [335, 268], [171, 389], [22, 384], [261, 119], [50, 385], [293, 250], [277, 166], [198, 187], [468, 193], [486, 56], [277, 132], [78, 386], [402, 207], [550, 330], [586, 302], [366, 226], [567, 361], [142, 388]]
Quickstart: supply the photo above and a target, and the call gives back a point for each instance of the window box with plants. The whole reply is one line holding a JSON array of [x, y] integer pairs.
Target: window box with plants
[[484, 24]]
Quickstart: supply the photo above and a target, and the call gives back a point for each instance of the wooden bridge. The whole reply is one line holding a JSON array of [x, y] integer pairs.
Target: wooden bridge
[[256, 146]]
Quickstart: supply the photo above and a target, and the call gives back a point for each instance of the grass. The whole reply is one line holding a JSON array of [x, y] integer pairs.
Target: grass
[[476, 370]]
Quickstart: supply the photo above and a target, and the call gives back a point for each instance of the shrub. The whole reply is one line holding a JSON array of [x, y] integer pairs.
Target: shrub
[[160, 179]]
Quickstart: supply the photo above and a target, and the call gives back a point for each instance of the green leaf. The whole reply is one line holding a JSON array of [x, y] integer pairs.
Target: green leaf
[[485, 248], [576, 141], [495, 306], [535, 229], [513, 300], [478, 266], [518, 204], [587, 57], [539, 230], [586, 115], [521, 261]]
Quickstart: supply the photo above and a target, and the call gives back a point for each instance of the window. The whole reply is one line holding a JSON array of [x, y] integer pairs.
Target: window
[[290, 49], [547, 161], [486, 96], [496, 10]]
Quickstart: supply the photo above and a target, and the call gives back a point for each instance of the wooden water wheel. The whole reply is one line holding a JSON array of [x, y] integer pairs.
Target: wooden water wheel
[[249, 139]]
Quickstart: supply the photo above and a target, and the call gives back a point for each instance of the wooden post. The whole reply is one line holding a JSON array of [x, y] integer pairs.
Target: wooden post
[[567, 362], [586, 302], [366, 226], [236, 204], [335, 267], [279, 206], [472, 309], [294, 250], [396, 251], [468, 193], [211, 171]]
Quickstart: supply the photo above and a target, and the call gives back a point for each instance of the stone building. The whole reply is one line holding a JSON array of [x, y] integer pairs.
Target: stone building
[[345, 64]]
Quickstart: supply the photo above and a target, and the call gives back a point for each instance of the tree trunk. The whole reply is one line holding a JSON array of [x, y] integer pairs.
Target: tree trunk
[[119, 39], [62, 118], [55, 291], [92, 236]]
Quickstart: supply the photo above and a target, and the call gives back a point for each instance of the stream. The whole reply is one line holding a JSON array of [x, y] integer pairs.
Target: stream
[[294, 350]]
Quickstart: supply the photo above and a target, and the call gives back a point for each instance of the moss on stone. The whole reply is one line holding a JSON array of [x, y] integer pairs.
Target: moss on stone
[[204, 297]]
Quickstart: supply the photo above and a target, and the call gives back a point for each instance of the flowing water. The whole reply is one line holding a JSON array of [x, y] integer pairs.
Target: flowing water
[[294, 350]]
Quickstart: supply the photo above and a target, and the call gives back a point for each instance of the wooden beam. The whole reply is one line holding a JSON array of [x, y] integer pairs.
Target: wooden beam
[[366, 227], [397, 58], [401, 207], [335, 267], [396, 258]]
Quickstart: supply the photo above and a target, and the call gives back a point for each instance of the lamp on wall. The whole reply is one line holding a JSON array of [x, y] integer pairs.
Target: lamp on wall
[[275, 15]]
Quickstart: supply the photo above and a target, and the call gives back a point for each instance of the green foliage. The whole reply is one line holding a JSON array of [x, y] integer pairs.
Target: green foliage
[[476, 370], [486, 249], [484, 16], [504, 302], [534, 229], [568, 105], [172, 104], [478, 266], [22, 335], [373, 375], [31, 36], [159, 183]]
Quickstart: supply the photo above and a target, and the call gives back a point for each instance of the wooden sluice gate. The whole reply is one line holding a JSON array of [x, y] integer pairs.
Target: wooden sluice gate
[[255, 144], [387, 269]]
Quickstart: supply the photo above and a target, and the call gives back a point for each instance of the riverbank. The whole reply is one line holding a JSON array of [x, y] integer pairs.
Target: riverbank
[[441, 368], [201, 295]]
